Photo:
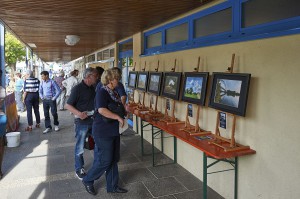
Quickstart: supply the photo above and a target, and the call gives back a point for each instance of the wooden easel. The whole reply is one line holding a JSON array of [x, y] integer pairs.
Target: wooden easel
[[171, 119], [194, 130], [225, 143], [131, 103], [141, 104], [154, 114]]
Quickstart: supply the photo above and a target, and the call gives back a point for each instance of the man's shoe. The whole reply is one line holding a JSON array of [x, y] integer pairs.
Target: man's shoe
[[56, 128], [90, 189], [118, 190], [47, 130], [80, 174]]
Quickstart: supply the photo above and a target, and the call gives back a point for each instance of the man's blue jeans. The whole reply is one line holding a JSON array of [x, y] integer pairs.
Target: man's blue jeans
[[50, 104], [106, 158], [81, 130]]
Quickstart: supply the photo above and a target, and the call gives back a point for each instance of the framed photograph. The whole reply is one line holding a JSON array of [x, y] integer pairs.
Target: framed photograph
[[171, 85], [154, 84], [132, 79], [229, 92], [194, 88], [142, 81]]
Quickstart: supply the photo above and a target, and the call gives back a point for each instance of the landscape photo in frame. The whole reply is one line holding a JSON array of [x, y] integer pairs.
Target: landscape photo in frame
[[154, 85], [229, 92], [132, 79], [142, 81], [194, 87], [171, 85]]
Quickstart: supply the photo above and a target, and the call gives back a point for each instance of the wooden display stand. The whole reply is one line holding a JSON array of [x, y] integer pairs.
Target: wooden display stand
[[171, 119], [141, 105], [153, 113], [194, 130], [131, 103], [227, 144]]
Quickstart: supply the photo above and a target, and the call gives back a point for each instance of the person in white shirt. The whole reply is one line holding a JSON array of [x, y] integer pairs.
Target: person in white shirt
[[70, 83]]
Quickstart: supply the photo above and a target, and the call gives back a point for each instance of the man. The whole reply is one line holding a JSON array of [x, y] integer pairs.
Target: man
[[81, 104], [49, 92], [61, 98], [70, 83]]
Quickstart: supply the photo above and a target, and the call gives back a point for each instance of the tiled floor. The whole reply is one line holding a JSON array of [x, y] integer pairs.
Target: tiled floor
[[43, 167]]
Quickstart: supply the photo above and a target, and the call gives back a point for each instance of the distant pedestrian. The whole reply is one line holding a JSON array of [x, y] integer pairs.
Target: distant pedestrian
[[31, 99], [70, 82], [19, 92], [61, 98], [81, 104], [49, 92]]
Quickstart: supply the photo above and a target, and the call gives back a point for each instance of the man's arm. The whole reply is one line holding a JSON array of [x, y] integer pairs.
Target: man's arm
[[57, 90]]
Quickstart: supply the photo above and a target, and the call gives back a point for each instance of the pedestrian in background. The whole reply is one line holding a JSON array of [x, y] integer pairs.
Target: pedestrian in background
[[81, 104], [49, 92], [70, 82], [31, 99], [61, 98], [19, 92]]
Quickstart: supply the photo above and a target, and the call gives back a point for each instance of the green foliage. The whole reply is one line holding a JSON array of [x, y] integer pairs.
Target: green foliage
[[14, 49]]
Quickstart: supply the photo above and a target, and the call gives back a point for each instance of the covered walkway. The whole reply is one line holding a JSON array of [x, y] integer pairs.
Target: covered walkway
[[42, 167]]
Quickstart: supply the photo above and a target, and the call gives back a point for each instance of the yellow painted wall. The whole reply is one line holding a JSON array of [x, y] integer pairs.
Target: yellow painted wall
[[271, 126]]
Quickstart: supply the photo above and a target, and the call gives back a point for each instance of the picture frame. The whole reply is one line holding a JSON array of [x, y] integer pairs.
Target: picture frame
[[171, 85], [194, 87], [154, 84], [229, 92], [142, 81], [132, 77]]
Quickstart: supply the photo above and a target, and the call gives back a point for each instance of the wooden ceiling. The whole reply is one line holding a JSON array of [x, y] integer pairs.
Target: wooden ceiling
[[98, 23]]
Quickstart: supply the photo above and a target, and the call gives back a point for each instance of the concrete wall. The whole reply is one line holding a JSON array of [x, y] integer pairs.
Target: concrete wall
[[271, 126]]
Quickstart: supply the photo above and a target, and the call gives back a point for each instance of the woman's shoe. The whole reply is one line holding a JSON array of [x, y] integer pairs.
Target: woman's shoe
[[28, 128], [37, 125]]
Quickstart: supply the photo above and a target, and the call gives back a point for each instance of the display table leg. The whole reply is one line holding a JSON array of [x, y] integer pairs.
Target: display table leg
[[204, 176], [175, 150], [236, 178]]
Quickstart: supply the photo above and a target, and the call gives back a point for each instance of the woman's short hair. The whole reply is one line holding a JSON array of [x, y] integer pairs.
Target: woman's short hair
[[109, 75]]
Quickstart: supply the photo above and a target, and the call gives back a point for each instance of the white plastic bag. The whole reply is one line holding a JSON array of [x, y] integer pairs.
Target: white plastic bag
[[125, 126]]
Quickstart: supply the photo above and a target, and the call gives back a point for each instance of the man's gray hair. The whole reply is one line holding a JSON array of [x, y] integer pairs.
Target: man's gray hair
[[29, 72], [88, 71]]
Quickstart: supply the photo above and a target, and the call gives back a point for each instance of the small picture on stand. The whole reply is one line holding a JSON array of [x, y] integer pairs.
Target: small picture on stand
[[190, 110], [168, 104], [223, 120]]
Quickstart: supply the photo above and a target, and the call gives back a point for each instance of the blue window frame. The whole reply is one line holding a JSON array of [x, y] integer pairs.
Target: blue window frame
[[230, 21]]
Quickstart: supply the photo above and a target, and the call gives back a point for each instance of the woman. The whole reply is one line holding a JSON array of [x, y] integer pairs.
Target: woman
[[31, 98], [19, 92], [106, 136]]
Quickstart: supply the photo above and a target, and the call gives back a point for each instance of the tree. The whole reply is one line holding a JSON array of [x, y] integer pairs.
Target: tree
[[14, 50]]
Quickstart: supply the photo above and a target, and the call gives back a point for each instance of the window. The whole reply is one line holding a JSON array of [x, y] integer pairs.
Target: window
[[259, 12], [177, 33], [99, 56], [126, 46], [227, 22], [154, 40], [214, 23]]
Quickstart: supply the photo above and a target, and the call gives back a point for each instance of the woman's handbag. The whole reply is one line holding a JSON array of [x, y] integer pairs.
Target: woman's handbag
[[89, 142], [116, 108]]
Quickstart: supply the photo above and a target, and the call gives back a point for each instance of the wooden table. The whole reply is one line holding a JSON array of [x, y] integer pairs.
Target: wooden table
[[209, 150]]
